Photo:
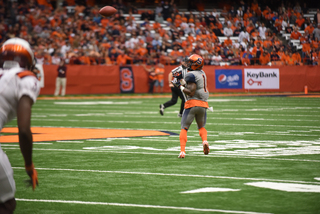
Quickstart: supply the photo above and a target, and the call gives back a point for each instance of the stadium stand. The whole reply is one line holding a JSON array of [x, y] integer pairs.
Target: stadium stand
[[79, 35]]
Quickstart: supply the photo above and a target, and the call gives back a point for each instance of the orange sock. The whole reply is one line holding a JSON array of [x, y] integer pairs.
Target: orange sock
[[183, 140], [203, 134]]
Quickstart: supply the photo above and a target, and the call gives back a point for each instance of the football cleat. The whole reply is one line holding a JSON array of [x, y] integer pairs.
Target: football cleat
[[161, 109], [182, 155], [206, 149]]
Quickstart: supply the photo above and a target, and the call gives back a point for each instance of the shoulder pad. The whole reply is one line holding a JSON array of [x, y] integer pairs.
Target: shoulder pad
[[26, 73], [190, 78]]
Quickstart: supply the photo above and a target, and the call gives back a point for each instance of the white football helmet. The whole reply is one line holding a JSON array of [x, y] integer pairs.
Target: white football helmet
[[16, 52]]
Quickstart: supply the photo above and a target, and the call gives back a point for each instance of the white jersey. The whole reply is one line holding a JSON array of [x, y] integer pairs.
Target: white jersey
[[14, 83], [180, 68]]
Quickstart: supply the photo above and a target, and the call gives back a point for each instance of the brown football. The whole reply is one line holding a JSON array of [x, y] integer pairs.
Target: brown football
[[107, 11]]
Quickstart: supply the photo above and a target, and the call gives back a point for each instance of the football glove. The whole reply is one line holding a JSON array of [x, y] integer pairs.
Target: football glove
[[177, 75], [176, 82], [33, 174]]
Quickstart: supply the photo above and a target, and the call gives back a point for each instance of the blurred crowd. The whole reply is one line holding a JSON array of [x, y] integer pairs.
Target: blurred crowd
[[238, 35]]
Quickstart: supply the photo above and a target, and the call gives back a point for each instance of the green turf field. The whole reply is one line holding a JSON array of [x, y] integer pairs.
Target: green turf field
[[264, 158]]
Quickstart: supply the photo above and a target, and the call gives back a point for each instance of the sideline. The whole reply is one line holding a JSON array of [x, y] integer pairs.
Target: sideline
[[141, 96]]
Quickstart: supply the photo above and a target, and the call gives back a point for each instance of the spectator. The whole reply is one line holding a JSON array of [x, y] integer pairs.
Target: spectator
[[316, 32], [61, 80], [244, 35], [237, 31], [158, 8], [316, 17], [216, 59], [300, 22], [166, 9], [297, 58], [55, 59], [257, 51], [295, 34], [264, 58], [228, 41], [245, 60], [159, 18], [152, 76], [274, 56], [228, 31], [122, 58], [262, 31], [159, 70], [290, 60]]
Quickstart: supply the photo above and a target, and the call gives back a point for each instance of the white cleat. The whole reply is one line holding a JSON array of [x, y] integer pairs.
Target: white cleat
[[206, 149], [182, 155]]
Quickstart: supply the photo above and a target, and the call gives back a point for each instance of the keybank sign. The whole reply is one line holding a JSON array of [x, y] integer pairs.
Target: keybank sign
[[261, 78]]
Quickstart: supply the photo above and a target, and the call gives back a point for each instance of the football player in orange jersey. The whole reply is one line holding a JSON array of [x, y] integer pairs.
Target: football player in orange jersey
[[19, 89]]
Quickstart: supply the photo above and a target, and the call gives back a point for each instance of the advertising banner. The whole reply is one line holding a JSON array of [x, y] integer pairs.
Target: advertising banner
[[228, 78], [126, 79], [261, 78]]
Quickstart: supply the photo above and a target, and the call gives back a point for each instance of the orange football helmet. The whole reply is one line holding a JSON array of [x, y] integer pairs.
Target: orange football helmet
[[195, 62], [16, 52]]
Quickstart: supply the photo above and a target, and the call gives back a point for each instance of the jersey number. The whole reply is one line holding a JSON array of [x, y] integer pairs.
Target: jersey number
[[204, 83]]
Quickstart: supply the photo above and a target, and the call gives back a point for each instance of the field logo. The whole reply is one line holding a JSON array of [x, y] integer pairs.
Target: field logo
[[261, 78], [228, 79], [59, 133]]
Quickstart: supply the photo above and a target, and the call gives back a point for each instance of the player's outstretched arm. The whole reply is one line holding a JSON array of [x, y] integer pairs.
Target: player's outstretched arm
[[25, 136]]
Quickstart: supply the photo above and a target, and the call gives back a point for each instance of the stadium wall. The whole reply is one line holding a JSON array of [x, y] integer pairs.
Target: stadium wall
[[85, 79]]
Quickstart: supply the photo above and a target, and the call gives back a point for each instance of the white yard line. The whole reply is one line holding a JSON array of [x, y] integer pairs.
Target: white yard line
[[172, 175], [138, 205], [170, 154], [156, 114], [178, 122]]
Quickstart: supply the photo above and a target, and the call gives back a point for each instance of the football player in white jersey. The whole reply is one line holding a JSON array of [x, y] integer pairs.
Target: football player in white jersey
[[178, 72], [196, 105], [19, 89]]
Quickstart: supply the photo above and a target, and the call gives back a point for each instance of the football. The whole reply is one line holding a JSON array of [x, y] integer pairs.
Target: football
[[107, 11]]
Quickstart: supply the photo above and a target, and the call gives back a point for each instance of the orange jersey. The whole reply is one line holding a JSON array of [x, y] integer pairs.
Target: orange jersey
[[266, 42], [300, 22], [297, 57], [295, 35], [264, 59], [159, 72], [228, 42], [290, 60], [306, 47], [193, 103], [245, 61], [309, 29]]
